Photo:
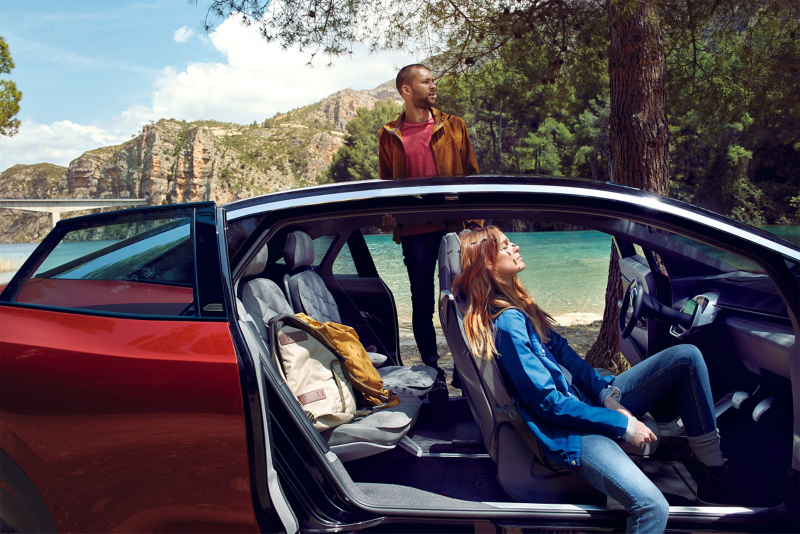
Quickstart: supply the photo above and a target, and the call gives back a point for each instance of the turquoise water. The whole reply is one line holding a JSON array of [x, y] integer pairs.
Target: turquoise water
[[565, 271], [792, 233]]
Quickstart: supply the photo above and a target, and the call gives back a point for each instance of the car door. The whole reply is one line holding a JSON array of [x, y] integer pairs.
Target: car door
[[120, 397]]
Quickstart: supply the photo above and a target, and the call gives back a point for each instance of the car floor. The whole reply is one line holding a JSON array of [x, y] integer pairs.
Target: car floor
[[455, 463]]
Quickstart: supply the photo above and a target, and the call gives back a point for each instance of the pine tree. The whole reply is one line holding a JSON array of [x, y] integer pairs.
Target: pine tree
[[9, 94]]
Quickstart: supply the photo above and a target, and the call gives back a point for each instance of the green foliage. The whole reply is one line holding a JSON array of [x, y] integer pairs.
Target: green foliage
[[549, 149], [358, 158], [9, 94]]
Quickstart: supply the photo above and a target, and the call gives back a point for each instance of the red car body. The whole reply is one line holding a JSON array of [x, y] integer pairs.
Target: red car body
[[148, 433]]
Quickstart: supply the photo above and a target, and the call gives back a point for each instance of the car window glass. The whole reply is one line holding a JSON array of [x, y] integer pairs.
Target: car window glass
[[141, 267], [737, 262], [645, 253], [239, 230], [321, 246], [344, 263]]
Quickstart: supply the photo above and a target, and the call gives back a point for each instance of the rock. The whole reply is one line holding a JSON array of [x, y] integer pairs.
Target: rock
[[27, 181], [175, 162]]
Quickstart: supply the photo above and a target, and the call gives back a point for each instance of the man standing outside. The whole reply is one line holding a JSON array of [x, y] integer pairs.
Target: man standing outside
[[421, 143]]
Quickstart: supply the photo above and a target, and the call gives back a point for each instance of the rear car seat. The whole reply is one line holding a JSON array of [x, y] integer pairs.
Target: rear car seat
[[310, 295], [258, 301]]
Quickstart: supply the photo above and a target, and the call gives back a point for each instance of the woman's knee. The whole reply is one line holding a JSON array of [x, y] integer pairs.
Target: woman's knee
[[654, 506], [687, 354]]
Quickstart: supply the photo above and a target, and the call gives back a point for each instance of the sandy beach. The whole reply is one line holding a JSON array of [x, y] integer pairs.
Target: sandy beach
[[580, 329]]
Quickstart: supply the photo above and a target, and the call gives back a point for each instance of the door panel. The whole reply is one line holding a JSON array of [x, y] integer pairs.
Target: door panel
[[125, 424], [120, 395], [363, 295]]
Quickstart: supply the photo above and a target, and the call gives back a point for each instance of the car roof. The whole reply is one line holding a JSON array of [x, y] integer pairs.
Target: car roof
[[511, 184]]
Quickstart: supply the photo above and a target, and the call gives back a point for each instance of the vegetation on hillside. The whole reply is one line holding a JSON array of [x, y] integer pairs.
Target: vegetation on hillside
[[358, 158], [9, 94]]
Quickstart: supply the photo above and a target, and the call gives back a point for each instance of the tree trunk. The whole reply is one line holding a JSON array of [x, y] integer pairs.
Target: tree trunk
[[638, 135]]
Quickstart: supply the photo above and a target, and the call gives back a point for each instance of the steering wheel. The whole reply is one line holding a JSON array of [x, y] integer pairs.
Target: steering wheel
[[633, 298]]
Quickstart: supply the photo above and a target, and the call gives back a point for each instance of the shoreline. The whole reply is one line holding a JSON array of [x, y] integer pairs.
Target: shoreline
[[580, 329], [568, 322]]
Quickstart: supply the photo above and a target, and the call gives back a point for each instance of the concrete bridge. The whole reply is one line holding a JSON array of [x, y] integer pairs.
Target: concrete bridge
[[55, 207]]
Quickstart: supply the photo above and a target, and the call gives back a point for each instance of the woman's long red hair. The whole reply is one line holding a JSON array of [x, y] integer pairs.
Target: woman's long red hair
[[488, 295]]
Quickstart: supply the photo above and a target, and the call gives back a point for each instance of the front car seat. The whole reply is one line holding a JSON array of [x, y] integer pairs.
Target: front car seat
[[522, 469]]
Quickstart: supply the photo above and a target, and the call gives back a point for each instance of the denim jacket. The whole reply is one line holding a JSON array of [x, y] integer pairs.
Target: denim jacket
[[556, 416]]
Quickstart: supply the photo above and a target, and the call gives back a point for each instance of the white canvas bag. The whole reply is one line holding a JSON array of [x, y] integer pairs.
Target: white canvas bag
[[315, 374]]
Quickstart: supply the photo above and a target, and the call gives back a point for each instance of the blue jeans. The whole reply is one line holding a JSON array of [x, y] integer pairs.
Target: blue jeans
[[607, 468], [420, 253]]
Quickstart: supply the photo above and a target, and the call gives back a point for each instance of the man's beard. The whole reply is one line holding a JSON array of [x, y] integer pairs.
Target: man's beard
[[422, 101]]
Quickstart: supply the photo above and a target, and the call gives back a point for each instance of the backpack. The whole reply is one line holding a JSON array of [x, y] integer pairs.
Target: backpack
[[363, 375], [313, 370]]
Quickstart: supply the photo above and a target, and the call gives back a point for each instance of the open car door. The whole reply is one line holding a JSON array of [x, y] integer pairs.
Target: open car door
[[116, 352]]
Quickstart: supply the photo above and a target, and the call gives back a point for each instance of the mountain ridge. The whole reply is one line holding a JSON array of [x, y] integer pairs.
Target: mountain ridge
[[175, 161]]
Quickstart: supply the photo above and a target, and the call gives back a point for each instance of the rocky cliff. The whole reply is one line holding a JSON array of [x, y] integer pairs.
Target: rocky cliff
[[174, 162], [27, 181]]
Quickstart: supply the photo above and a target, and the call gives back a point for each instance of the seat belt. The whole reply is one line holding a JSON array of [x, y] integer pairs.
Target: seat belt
[[505, 406]]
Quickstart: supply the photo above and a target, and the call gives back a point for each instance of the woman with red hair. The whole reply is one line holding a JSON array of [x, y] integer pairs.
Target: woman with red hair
[[575, 413]]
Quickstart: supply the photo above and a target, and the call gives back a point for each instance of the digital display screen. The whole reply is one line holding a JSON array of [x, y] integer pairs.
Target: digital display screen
[[689, 307]]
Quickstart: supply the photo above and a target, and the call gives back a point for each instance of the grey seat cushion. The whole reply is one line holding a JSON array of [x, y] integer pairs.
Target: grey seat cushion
[[415, 381], [449, 260], [263, 299], [309, 295], [377, 359], [384, 427]]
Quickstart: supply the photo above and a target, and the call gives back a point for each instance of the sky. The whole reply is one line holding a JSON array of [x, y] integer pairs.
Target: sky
[[93, 72]]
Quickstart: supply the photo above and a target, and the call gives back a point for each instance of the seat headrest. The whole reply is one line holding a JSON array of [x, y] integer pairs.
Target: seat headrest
[[298, 250], [449, 260], [259, 262]]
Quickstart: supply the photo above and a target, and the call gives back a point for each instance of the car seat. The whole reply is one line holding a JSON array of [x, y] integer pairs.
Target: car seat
[[310, 295], [522, 469], [258, 301]]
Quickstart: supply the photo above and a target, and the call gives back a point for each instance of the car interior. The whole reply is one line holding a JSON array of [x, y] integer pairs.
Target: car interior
[[467, 453]]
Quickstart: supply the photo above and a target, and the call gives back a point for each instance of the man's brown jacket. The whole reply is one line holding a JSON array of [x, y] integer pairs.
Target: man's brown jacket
[[452, 148], [452, 154]]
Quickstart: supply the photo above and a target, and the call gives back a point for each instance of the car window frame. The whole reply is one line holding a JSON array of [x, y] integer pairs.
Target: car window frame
[[207, 290]]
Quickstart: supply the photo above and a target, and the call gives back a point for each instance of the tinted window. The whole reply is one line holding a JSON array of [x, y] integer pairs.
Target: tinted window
[[321, 246], [729, 260], [140, 267], [344, 263]]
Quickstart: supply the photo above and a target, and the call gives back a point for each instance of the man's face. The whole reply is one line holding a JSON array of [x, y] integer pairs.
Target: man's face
[[423, 89]]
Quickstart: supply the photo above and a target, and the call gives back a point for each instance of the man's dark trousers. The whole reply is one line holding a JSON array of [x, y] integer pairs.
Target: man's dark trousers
[[420, 253]]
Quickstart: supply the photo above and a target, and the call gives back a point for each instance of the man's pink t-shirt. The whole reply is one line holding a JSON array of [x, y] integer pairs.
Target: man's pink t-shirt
[[417, 147]]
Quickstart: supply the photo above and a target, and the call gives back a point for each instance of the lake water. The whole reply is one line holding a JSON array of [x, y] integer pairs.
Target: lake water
[[566, 272]]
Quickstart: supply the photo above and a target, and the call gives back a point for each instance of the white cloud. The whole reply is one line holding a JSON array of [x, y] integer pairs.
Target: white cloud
[[183, 34], [259, 79], [61, 142], [254, 81]]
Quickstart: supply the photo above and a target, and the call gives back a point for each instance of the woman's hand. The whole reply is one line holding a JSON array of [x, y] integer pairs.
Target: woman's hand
[[613, 404], [642, 435]]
